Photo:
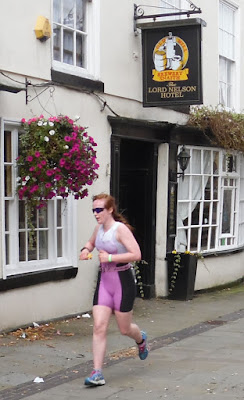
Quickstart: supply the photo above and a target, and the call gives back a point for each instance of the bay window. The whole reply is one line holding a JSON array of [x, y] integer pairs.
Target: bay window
[[211, 202]]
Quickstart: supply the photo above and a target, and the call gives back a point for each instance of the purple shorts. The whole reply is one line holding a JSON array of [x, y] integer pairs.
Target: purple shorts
[[116, 290]]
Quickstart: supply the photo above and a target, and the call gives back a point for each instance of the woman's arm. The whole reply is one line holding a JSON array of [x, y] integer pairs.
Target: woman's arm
[[89, 246]]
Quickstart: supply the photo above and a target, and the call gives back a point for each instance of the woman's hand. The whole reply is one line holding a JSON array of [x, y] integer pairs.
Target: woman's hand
[[103, 256], [85, 254]]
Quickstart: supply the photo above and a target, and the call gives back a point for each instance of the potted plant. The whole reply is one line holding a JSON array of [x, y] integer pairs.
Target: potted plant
[[182, 269]]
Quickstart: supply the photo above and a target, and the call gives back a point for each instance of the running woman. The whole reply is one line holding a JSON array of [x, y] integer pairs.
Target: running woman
[[116, 289]]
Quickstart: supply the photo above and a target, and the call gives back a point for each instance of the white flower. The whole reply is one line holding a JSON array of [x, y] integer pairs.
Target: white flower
[[18, 179], [27, 178], [45, 123], [39, 123], [50, 123], [52, 132], [46, 139], [66, 147], [76, 118], [23, 183]]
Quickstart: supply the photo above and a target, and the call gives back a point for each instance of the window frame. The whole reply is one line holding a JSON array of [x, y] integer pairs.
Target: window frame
[[92, 69], [15, 266], [231, 63]]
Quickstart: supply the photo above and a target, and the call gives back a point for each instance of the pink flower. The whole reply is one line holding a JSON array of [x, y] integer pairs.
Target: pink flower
[[37, 154], [58, 177], [49, 172], [67, 138], [32, 169], [29, 158], [48, 185], [39, 166], [43, 162], [23, 120], [62, 162], [34, 188]]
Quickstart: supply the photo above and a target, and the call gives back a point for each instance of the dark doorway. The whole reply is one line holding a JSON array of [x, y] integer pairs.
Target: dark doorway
[[137, 175]]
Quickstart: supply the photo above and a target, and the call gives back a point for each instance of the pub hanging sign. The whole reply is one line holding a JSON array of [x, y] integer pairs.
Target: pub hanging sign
[[172, 73]]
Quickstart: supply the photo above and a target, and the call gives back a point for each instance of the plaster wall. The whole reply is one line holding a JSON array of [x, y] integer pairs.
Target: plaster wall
[[219, 270]]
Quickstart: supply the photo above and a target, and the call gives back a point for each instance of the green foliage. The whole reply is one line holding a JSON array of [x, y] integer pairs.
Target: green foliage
[[136, 267], [226, 127]]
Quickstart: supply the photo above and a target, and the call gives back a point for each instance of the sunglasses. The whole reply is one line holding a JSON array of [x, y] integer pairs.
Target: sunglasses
[[97, 209]]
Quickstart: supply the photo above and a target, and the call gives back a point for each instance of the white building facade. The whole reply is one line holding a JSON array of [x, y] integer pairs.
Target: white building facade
[[91, 67]]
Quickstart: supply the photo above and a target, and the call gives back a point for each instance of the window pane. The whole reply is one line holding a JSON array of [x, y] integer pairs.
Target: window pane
[[205, 219], [213, 238], [57, 43], [226, 217], [32, 249], [43, 245], [43, 218], [204, 241], [207, 192], [80, 15], [21, 214], [59, 213], [195, 215], [6, 215], [57, 11], [59, 243], [194, 239], [22, 246], [196, 161], [214, 215], [68, 13], [8, 180], [215, 163], [80, 50], [215, 188], [68, 47], [33, 219], [7, 147]]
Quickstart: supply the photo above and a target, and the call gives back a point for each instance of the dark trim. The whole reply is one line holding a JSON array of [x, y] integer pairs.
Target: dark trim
[[11, 89], [36, 278], [137, 129], [76, 82]]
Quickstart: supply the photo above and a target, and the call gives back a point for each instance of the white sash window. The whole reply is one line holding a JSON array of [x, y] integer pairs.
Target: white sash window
[[50, 245]]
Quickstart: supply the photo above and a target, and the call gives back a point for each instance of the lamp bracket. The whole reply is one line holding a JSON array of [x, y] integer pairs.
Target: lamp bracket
[[139, 12]]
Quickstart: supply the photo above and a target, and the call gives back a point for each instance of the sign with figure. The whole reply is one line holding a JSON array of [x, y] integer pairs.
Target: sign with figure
[[172, 73]]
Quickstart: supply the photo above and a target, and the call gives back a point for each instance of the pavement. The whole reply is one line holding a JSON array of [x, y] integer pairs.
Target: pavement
[[197, 352]]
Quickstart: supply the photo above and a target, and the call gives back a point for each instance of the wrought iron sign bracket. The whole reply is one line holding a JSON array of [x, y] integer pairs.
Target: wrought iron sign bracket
[[139, 13]]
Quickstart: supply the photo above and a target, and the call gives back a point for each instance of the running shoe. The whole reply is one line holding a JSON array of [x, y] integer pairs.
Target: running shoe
[[143, 348], [95, 379]]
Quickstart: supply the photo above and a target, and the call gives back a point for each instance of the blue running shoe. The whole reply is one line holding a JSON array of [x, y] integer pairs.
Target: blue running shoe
[[95, 379], [143, 348]]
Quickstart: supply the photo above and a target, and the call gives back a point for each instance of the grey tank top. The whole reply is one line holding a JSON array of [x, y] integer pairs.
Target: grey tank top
[[107, 241]]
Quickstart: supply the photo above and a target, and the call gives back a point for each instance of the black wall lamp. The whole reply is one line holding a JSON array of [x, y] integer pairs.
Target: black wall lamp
[[183, 159]]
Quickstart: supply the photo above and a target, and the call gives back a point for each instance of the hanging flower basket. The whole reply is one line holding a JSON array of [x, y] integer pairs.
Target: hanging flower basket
[[56, 158]]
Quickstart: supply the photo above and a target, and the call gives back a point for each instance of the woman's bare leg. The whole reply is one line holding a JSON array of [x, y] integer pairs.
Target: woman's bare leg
[[101, 317], [126, 327]]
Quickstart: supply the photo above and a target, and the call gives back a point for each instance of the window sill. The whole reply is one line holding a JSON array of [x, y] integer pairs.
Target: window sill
[[36, 278], [223, 252], [76, 82]]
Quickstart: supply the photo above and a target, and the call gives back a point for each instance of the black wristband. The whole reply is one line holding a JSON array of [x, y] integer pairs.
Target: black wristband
[[83, 248]]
